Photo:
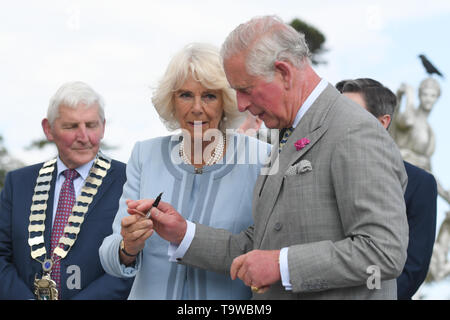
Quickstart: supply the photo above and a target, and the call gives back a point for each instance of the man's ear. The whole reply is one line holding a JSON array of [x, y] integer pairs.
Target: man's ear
[[47, 129], [284, 69], [385, 120]]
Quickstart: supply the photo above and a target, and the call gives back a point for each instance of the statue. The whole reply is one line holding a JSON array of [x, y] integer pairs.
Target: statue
[[439, 264], [411, 130], [416, 141]]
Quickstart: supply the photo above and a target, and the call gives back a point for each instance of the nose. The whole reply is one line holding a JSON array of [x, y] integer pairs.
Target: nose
[[243, 101], [82, 135], [197, 106]]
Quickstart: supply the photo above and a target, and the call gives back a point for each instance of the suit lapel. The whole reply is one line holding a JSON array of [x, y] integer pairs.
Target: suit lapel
[[291, 154], [312, 126], [260, 182]]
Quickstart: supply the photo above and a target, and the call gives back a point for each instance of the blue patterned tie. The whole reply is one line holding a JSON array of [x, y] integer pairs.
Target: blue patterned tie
[[285, 133]]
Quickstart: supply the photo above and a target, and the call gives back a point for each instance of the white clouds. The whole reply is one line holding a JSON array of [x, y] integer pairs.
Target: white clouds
[[122, 47]]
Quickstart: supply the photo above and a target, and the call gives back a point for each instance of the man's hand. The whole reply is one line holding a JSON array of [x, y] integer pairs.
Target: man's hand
[[257, 269], [167, 222]]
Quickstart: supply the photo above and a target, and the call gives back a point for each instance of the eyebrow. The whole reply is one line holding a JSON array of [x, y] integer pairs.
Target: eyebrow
[[75, 122], [242, 88], [204, 91]]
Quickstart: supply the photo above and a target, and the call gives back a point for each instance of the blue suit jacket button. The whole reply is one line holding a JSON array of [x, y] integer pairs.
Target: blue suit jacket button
[[278, 226]]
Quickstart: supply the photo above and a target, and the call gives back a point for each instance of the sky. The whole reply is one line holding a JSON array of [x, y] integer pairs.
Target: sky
[[121, 49]]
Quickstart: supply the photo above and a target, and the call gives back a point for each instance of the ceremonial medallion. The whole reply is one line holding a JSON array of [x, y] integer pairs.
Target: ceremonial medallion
[[45, 288]]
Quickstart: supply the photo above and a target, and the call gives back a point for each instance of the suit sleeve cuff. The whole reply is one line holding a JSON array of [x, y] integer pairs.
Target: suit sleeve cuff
[[126, 271], [284, 269], [177, 252]]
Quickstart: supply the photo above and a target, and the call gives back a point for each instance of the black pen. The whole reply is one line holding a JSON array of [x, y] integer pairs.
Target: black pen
[[155, 204]]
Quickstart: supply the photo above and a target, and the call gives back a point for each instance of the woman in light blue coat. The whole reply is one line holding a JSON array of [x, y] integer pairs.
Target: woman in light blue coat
[[207, 173]]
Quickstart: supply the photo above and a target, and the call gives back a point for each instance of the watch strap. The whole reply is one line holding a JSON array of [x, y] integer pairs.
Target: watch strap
[[122, 248]]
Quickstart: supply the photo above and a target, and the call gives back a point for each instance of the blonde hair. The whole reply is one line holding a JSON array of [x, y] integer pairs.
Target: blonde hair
[[204, 64]]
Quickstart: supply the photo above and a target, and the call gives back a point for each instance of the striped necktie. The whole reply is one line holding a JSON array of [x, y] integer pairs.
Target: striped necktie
[[65, 203], [284, 135]]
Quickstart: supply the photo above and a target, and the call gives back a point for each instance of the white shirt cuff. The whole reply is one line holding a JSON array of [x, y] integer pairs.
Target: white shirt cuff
[[178, 251], [284, 269]]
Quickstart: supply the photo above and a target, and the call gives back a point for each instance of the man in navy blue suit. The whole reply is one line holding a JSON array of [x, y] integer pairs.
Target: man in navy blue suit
[[30, 208], [420, 194]]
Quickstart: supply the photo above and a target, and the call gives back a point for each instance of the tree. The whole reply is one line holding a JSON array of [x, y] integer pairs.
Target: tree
[[3, 154], [7, 163], [314, 38]]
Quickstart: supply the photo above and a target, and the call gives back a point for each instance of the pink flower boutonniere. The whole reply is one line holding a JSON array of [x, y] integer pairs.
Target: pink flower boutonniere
[[301, 143]]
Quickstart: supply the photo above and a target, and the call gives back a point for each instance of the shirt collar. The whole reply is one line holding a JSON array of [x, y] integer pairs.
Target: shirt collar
[[83, 170], [309, 101]]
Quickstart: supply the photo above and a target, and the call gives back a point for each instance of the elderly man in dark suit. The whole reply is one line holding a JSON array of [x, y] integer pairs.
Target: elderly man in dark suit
[[54, 215], [329, 215], [420, 194]]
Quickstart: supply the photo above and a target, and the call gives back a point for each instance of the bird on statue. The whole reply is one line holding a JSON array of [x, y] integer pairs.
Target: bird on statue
[[429, 67]]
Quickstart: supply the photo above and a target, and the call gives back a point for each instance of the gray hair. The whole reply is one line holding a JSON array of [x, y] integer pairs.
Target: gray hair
[[203, 63], [72, 94], [266, 39]]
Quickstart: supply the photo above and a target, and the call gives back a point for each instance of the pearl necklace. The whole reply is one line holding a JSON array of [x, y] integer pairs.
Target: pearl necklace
[[217, 153]]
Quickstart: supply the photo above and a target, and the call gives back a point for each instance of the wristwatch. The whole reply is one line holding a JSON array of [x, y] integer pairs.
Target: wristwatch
[[122, 248]]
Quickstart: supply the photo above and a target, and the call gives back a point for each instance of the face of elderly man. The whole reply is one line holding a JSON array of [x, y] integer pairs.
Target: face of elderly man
[[197, 106], [77, 133], [267, 100]]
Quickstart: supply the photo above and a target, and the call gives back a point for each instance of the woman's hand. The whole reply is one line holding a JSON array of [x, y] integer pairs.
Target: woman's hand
[[136, 229]]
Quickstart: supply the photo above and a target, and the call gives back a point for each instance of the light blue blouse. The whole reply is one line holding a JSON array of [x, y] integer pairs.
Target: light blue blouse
[[220, 197]]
